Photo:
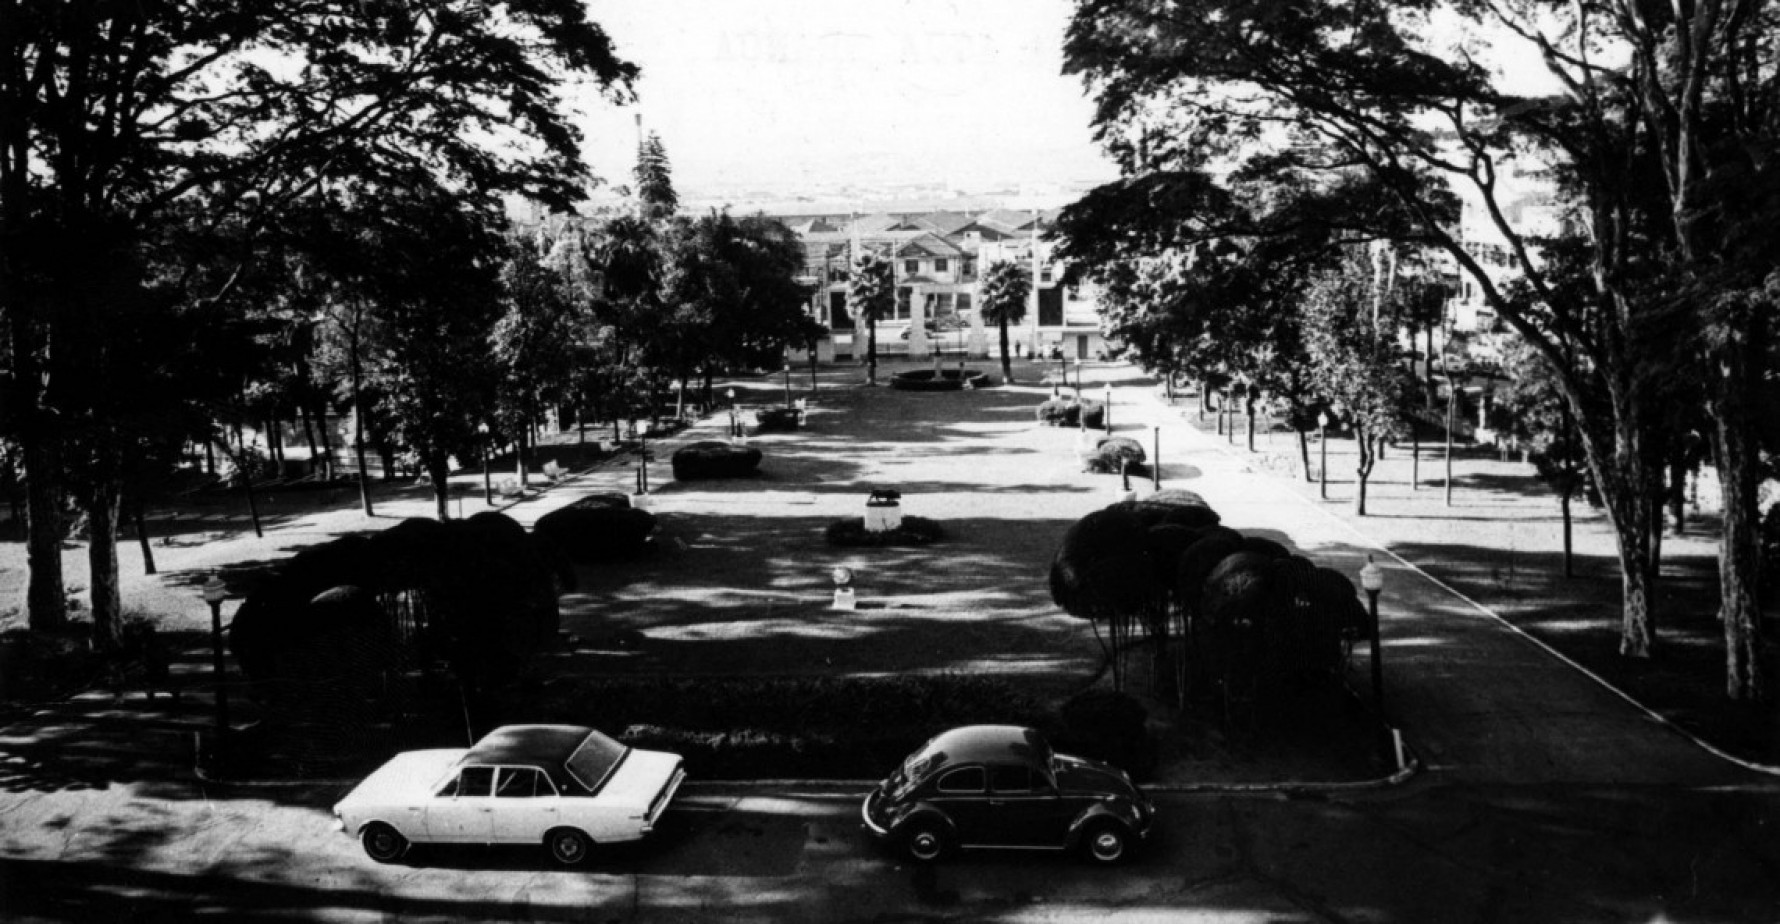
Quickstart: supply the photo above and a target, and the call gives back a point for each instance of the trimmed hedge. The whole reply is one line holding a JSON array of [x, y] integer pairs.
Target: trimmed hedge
[[1111, 451], [597, 531], [715, 459], [1068, 412], [815, 727], [942, 380], [913, 531], [776, 420]]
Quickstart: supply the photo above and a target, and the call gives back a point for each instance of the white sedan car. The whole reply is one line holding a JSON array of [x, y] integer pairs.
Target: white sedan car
[[562, 786]]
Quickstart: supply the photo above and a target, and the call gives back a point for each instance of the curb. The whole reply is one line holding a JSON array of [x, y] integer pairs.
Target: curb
[[1374, 543]]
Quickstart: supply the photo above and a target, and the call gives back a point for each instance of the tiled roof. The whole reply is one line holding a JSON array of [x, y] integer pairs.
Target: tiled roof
[[930, 244], [1007, 219], [944, 224]]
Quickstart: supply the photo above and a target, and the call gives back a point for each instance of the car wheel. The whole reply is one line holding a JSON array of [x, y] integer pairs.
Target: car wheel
[[1106, 843], [925, 841], [567, 846], [383, 843]]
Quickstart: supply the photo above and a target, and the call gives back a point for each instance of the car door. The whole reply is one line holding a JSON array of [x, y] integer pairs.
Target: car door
[[960, 794], [463, 810], [1025, 807], [525, 805]]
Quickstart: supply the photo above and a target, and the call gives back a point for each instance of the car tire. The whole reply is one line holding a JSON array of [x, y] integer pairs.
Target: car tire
[[568, 846], [383, 843], [1106, 843], [925, 841]]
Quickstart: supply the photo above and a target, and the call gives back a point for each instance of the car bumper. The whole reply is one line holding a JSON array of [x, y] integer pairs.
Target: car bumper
[[868, 811]]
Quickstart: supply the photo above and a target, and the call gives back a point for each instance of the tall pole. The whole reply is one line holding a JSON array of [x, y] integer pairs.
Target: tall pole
[[1156, 455], [1322, 468], [1377, 656], [787, 384]]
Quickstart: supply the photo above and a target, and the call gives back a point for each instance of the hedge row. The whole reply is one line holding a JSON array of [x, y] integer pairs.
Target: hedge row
[[835, 727]]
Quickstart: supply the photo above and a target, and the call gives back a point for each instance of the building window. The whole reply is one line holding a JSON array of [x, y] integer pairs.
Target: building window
[[911, 267], [963, 302], [970, 267], [902, 303], [939, 266]]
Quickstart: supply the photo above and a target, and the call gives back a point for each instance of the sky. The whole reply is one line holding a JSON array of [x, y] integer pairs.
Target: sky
[[800, 96]]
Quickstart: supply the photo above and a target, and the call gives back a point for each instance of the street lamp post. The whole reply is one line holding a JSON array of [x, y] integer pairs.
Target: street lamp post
[[1372, 581], [215, 592], [787, 384], [732, 418], [1322, 439], [1107, 416], [487, 481]]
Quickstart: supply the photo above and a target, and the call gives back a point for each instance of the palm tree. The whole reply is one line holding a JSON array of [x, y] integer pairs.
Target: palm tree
[[1005, 290], [871, 291]]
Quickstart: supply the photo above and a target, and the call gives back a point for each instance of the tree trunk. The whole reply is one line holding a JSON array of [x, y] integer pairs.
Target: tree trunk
[[438, 468], [1569, 555], [140, 515], [1677, 495], [1007, 361], [309, 437], [320, 413], [107, 600], [46, 597], [358, 427], [1738, 555], [1204, 398], [1366, 444], [519, 458], [1249, 411], [1304, 455], [871, 351]]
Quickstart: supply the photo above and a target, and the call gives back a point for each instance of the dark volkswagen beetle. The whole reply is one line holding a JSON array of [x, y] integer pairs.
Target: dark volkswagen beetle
[[1003, 786]]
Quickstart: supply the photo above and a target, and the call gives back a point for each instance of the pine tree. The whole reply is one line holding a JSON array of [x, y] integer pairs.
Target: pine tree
[[655, 182]]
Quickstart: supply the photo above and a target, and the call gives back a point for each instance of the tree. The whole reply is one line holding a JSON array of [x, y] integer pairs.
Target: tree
[[1351, 340], [1529, 409], [871, 291], [1328, 90], [532, 345], [655, 184], [116, 115], [1005, 289]]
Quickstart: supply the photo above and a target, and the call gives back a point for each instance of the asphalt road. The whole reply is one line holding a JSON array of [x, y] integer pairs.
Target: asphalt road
[[1428, 852]]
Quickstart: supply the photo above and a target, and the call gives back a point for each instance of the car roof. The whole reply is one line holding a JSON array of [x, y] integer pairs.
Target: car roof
[[546, 746], [973, 744]]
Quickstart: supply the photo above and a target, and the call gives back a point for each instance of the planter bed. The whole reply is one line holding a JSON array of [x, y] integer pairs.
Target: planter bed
[[942, 380], [810, 727]]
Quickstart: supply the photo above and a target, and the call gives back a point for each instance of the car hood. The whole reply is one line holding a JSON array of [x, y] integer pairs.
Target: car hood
[[1081, 776], [639, 778], [406, 777]]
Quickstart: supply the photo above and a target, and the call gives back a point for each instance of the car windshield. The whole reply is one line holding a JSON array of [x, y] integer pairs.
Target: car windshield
[[915, 770], [595, 760]]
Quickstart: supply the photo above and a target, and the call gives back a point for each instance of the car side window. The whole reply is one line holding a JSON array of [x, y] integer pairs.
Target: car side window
[[517, 783], [473, 781], [1013, 780], [964, 780]]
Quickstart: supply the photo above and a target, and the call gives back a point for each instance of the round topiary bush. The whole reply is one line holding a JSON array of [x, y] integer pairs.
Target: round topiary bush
[[1068, 412], [938, 380], [1111, 727], [715, 459], [776, 420], [1058, 413], [913, 531], [1112, 452], [596, 532]]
